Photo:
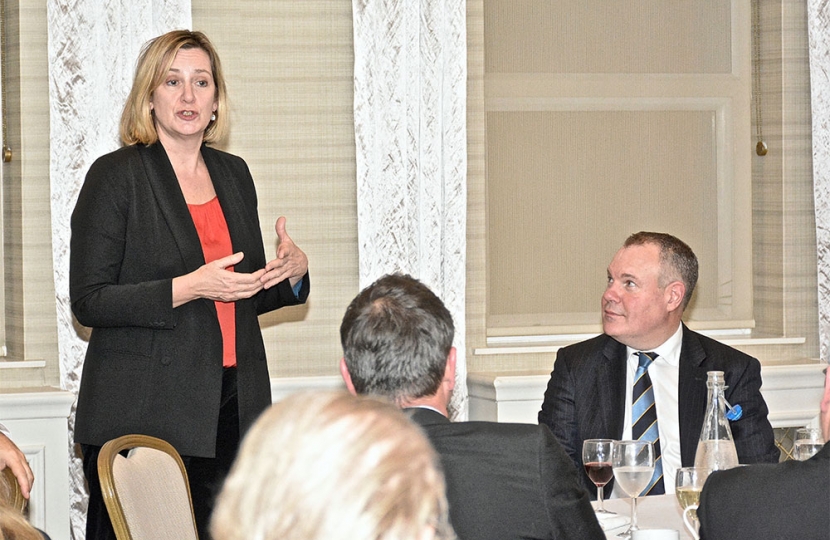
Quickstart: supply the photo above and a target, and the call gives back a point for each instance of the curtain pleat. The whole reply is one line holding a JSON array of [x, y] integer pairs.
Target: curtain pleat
[[818, 29]]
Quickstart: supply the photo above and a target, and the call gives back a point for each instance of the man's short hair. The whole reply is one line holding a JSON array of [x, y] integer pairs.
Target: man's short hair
[[677, 260], [396, 337]]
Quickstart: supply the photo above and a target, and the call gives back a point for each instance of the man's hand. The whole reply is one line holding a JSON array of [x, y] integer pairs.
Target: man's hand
[[13, 458]]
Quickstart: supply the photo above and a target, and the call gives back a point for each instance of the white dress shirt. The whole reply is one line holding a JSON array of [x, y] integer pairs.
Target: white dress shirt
[[664, 372]]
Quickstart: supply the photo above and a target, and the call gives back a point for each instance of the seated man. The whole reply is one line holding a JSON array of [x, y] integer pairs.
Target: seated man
[[591, 389], [784, 500], [504, 481]]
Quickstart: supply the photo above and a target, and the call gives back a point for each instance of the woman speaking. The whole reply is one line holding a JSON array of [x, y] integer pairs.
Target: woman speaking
[[167, 267]]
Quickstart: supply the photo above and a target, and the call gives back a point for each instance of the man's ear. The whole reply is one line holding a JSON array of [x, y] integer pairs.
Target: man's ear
[[449, 371], [675, 291], [347, 378]]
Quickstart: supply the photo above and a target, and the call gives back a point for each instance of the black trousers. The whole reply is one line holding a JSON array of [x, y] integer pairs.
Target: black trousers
[[205, 475]]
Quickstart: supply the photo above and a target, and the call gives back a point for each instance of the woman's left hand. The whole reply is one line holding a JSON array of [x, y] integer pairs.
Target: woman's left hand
[[291, 261]]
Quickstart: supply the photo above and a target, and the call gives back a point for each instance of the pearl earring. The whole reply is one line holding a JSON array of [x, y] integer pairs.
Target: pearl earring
[[213, 117]]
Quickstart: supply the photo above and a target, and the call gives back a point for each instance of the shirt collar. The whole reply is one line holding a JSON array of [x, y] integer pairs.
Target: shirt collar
[[669, 350], [427, 407]]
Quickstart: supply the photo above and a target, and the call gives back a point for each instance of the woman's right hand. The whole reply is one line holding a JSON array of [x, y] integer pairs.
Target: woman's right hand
[[215, 282]]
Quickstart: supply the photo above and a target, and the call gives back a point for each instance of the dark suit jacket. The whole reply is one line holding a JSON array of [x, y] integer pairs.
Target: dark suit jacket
[[784, 501], [508, 481], [585, 397], [150, 368]]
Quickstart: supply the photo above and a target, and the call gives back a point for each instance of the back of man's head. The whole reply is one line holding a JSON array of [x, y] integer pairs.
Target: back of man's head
[[396, 337]]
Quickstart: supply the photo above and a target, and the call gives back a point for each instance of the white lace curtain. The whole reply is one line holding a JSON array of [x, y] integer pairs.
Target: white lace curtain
[[410, 132], [93, 46], [818, 22]]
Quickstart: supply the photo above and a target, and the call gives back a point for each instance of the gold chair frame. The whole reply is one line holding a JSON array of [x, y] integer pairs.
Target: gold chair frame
[[106, 459]]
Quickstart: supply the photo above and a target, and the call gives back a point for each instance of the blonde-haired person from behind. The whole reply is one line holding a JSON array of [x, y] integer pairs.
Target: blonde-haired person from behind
[[13, 524], [332, 466]]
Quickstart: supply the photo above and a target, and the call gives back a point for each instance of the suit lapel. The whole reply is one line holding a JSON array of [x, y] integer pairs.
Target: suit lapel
[[691, 395], [162, 180], [241, 225], [611, 382]]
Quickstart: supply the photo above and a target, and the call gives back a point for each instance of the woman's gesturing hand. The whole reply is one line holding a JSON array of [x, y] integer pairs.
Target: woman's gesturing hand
[[216, 281], [291, 261]]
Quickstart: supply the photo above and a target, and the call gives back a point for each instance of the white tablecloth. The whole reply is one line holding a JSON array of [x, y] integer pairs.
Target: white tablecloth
[[655, 512]]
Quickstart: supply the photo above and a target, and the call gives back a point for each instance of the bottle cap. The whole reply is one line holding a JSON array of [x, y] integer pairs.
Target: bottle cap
[[734, 412]]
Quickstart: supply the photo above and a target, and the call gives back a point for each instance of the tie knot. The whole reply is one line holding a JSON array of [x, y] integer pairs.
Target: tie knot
[[646, 358]]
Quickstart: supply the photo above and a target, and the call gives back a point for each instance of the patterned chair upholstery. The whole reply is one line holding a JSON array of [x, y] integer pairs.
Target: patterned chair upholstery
[[146, 492]]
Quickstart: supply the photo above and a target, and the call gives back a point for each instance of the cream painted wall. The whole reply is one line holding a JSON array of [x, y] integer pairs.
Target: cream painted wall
[[783, 228]]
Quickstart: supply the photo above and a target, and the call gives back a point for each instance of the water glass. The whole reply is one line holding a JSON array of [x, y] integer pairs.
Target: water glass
[[633, 463], [808, 441]]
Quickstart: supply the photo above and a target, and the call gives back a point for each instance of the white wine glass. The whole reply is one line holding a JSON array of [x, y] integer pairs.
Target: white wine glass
[[633, 464], [596, 457], [688, 485]]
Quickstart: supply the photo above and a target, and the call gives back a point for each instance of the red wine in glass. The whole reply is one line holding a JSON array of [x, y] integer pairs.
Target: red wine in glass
[[596, 457], [599, 473]]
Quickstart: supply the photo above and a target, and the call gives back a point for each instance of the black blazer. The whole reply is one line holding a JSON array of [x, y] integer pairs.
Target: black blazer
[[150, 368], [585, 397], [775, 502], [508, 481]]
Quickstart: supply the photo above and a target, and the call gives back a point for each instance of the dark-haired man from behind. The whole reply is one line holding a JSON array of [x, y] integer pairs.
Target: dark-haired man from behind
[[782, 500], [504, 481]]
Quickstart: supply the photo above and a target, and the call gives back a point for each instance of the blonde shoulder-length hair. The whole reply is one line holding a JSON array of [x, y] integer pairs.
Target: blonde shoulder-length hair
[[332, 466], [13, 525], [157, 55]]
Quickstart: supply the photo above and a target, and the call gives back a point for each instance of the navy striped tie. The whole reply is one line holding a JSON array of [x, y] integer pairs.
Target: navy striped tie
[[644, 419]]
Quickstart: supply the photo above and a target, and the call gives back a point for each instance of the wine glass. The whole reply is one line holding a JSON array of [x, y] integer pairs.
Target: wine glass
[[633, 464], [808, 441], [688, 485], [596, 457]]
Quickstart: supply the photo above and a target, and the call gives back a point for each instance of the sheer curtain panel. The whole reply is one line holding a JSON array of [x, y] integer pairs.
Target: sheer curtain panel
[[818, 28], [410, 136]]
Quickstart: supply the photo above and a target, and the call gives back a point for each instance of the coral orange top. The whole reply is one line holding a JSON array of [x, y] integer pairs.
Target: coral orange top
[[216, 243]]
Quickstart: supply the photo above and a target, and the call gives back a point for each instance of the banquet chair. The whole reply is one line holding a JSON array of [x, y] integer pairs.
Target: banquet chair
[[10, 491], [146, 492]]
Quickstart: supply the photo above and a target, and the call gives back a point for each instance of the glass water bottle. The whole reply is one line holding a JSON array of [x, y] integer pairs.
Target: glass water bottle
[[716, 448]]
